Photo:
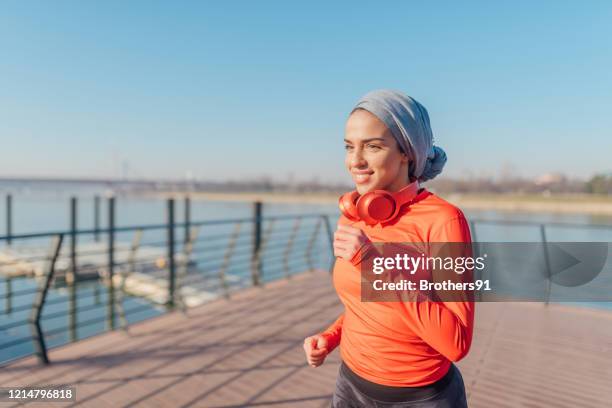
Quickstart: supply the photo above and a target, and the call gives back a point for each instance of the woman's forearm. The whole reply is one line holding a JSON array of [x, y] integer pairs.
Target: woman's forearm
[[334, 333]]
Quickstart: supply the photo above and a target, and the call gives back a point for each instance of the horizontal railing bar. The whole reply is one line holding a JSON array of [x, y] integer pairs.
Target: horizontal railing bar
[[153, 226], [247, 219], [278, 245], [79, 309], [222, 246], [21, 308], [536, 223], [15, 324], [15, 342], [16, 293]]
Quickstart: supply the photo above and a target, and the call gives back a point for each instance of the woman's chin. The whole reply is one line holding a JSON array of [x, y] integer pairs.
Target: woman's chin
[[363, 188]]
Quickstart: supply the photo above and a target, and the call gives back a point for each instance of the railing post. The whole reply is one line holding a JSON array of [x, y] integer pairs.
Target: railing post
[[171, 263], [39, 302], [97, 218], [72, 311], [72, 276], [73, 240], [110, 310], [8, 303], [9, 218], [256, 264], [187, 219], [473, 232], [547, 262], [330, 237]]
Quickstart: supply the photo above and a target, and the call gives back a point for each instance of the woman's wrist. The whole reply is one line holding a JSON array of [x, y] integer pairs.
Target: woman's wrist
[[367, 250]]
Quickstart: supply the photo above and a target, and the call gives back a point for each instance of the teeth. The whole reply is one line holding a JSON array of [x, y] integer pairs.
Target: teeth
[[362, 177]]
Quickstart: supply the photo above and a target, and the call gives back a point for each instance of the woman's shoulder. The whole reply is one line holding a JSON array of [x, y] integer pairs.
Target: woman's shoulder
[[443, 221], [435, 209]]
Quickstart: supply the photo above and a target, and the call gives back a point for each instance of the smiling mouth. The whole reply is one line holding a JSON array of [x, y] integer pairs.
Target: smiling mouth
[[362, 177]]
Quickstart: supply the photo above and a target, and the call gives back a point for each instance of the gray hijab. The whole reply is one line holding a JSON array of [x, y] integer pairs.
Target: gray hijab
[[409, 123]]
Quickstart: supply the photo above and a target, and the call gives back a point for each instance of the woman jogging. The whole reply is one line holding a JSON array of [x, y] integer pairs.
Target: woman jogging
[[394, 354]]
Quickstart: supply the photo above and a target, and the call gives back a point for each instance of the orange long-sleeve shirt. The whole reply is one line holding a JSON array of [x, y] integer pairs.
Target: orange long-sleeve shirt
[[411, 343]]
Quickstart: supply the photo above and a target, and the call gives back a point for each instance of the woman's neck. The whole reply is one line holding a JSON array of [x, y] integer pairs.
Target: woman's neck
[[398, 185]]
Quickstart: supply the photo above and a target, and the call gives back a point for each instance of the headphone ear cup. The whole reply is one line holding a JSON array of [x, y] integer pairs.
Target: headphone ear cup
[[348, 206], [362, 208], [376, 206]]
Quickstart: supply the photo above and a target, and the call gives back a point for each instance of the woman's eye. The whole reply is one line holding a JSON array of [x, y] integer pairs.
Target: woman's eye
[[348, 147], [373, 147]]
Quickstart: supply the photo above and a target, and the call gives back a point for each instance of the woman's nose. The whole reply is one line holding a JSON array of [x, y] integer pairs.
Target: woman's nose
[[357, 159]]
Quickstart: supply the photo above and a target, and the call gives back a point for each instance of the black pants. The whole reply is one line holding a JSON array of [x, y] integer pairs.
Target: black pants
[[347, 395]]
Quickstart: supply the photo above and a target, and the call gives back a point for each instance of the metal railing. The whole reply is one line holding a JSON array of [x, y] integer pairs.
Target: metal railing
[[541, 230], [60, 281], [210, 259]]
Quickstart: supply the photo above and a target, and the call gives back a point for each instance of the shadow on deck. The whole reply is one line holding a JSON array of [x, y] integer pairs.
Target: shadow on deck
[[248, 352]]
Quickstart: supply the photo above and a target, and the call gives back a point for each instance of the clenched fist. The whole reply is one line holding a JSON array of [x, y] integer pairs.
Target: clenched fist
[[316, 350], [348, 240]]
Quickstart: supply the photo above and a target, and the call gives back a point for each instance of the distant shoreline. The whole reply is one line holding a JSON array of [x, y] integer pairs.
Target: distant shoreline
[[568, 204]]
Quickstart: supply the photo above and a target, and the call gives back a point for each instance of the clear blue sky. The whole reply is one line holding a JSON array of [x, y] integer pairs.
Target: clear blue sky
[[228, 90]]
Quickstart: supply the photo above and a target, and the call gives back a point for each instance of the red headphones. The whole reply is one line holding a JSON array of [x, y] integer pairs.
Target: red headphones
[[376, 206]]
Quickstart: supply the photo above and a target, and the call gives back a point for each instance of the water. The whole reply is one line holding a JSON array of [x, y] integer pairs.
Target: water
[[36, 211]]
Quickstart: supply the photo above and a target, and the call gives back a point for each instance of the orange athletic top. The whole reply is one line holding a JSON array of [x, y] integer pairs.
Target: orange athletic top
[[411, 343]]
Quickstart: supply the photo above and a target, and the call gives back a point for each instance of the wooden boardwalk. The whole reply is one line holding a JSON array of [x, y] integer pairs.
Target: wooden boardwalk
[[248, 352]]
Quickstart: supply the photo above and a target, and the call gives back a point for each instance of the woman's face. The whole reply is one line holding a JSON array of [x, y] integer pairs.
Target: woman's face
[[373, 156]]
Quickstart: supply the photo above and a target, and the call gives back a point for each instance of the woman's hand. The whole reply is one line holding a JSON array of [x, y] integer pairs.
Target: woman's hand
[[316, 350], [348, 240]]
